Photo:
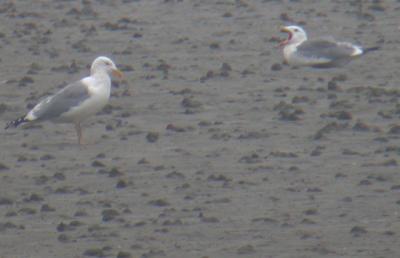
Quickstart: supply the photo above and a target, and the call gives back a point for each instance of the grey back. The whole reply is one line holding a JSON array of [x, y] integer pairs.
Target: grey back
[[65, 99], [325, 49]]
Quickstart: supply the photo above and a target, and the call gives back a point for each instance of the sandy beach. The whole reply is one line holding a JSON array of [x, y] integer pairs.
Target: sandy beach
[[210, 147]]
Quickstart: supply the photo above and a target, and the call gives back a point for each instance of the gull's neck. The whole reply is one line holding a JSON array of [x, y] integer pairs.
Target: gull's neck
[[98, 74], [102, 78], [298, 42], [291, 49]]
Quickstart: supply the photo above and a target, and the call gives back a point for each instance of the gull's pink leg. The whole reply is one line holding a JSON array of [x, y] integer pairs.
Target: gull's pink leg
[[79, 132]]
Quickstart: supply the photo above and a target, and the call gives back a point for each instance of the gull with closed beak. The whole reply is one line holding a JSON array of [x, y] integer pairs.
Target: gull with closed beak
[[77, 101]]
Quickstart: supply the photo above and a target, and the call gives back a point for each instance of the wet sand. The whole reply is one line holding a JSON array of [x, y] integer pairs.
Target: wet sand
[[211, 147]]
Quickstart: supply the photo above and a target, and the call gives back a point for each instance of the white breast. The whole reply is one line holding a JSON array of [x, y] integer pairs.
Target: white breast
[[288, 51], [99, 91]]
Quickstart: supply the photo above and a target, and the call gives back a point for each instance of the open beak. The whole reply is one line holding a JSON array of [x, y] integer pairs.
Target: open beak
[[117, 73], [284, 42]]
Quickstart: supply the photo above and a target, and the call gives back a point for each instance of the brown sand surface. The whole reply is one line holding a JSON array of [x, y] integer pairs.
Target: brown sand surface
[[211, 147]]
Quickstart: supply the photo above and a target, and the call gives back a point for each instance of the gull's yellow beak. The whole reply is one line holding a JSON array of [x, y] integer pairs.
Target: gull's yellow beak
[[118, 73], [285, 29]]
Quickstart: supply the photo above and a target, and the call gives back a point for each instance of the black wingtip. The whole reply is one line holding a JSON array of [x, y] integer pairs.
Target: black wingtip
[[370, 49], [16, 122]]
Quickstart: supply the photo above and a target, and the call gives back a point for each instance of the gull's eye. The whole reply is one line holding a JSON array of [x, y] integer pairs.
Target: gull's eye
[[296, 30]]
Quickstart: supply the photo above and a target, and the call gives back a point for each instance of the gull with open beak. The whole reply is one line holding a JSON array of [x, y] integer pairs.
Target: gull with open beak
[[78, 100], [319, 53]]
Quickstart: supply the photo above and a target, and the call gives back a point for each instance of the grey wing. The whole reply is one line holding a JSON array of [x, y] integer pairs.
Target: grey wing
[[324, 50], [54, 106]]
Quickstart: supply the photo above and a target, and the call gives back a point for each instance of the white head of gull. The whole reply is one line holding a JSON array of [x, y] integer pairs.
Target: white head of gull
[[104, 64], [296, 35]]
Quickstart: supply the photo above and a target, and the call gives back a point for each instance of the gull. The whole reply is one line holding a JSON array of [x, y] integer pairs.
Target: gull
[[76, 101], [318, 53]]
